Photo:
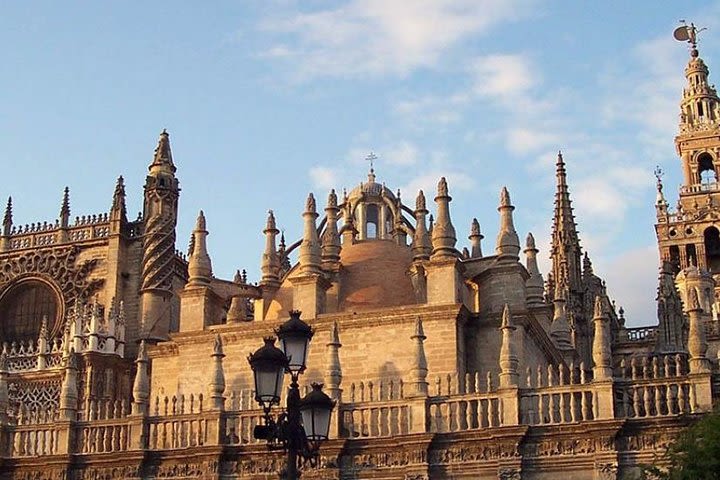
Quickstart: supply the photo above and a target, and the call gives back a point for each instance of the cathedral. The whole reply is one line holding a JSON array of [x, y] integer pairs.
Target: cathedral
[[124, 358]]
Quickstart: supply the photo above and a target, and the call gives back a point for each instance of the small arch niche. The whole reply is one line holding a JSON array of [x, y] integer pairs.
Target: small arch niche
[[22, 309], [372, 220], [706, 169], [712, 249]]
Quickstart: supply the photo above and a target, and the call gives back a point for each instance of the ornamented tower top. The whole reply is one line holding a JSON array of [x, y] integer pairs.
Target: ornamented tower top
[[687, 236]]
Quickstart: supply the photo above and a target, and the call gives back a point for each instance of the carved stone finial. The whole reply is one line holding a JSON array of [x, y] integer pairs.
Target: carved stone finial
[[310, 204], [199, 263], [65, 209], [443, 233], [507, 243], [420, 203], [332, 199], [419, 370]]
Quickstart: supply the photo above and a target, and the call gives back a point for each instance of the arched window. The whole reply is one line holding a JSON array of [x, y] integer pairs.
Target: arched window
[[22, 309], [706, 169], [712, 249], [372, 221]]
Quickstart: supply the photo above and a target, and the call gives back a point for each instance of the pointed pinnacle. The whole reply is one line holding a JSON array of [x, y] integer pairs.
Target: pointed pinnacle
[[506, 318], [442, 187], [310, 204], [420, 203], [218, 347], [270, 224], [419, 332], [505, 198], [599, 307], [7, 219], [163, 153], [65, 209], [530, 242], [334, 335], [200, 224], [475, 228], [332, 199]]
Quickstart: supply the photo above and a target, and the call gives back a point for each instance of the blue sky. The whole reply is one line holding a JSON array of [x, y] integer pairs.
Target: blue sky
[[268, 100]]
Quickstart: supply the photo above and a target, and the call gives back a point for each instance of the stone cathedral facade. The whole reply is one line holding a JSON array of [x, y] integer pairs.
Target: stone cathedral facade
[[124, 358]]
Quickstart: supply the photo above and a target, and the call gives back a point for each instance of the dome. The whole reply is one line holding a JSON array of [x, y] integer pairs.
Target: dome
[[375, 274], [371, 189]]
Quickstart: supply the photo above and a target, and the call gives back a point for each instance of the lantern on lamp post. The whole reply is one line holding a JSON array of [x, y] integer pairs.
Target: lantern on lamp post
[[305, 423]]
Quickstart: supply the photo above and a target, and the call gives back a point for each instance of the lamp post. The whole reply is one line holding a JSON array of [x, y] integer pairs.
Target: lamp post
[[305, 423]]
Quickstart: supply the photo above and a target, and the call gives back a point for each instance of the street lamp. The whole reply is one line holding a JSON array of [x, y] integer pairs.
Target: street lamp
[[305, 422]]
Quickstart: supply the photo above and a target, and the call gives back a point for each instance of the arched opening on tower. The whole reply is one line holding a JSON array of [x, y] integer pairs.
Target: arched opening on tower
[[675, 258], [372, 221], [691, 254], [706, 169], [712, 249]]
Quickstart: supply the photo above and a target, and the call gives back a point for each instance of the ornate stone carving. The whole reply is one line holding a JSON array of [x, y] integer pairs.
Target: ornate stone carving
[[158, 253], [509, 473], [56, 265]]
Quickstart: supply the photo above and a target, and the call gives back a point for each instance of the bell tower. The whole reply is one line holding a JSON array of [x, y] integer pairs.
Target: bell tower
[[690, 235]]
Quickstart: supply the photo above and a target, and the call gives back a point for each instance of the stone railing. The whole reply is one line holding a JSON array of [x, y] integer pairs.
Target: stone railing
[[33, 440], [25, 356], [87, 227], [374, 419], [103, 436], [180, 431]]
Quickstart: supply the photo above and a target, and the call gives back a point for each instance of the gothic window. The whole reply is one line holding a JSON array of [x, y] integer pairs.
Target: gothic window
[[712, 249], [706, 169], [22, 309]]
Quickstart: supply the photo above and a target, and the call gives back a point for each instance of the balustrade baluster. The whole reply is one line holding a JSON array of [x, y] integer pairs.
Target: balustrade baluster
[[646, 401], [682, 399], [637, 406]]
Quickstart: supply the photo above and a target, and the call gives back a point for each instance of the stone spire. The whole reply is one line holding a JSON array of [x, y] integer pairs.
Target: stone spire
[[421, 246], [475, 239], [508, 243], [565, 251], [443, 235], [331, 237], [141, 385], [69, 389], [217, 380], [672, 328], [310, 255], [508, 351], [270, 264], [7, 227], [8, 218], [534, 285], [162, 160], [419, 370], [118, 210], [560, 328], [601, 349], [697, 342], [199, 264], [65, 209], [333, 372]]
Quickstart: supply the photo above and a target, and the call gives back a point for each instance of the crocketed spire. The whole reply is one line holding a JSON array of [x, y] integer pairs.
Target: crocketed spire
[[507, 244], [162, 160], [270, 264], [118, 210], [199, 264], [310, 254], [560, 330], [8, 218], [443, 235], [421, 246], [565, 250], [65, 209]]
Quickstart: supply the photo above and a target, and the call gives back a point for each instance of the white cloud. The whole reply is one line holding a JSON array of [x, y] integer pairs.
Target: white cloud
[[378, 37], [503, 76], [522, 140], [323, 177], [403, 153], [427, 182]]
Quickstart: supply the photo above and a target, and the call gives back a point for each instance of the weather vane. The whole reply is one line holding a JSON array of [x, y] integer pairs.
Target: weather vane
[[659, 173], [685, 33], [371, 158]]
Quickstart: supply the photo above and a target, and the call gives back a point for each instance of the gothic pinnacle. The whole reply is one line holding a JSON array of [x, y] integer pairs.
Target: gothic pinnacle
[[65, 209], [199, 264], [421, 246], [331, 237], [560, 330], [508, 351], [8, 218], [419, 370], [270, 264], [565, 249], [443, 235], [310, 253], [601, 347], [141, 384], [534, 284], [162, 159], [508, 243], [118, 210], [475, 238]]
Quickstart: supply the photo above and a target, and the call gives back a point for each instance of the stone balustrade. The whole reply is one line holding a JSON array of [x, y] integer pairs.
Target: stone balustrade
[[29, 355], [32, 440], [103, 436]]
